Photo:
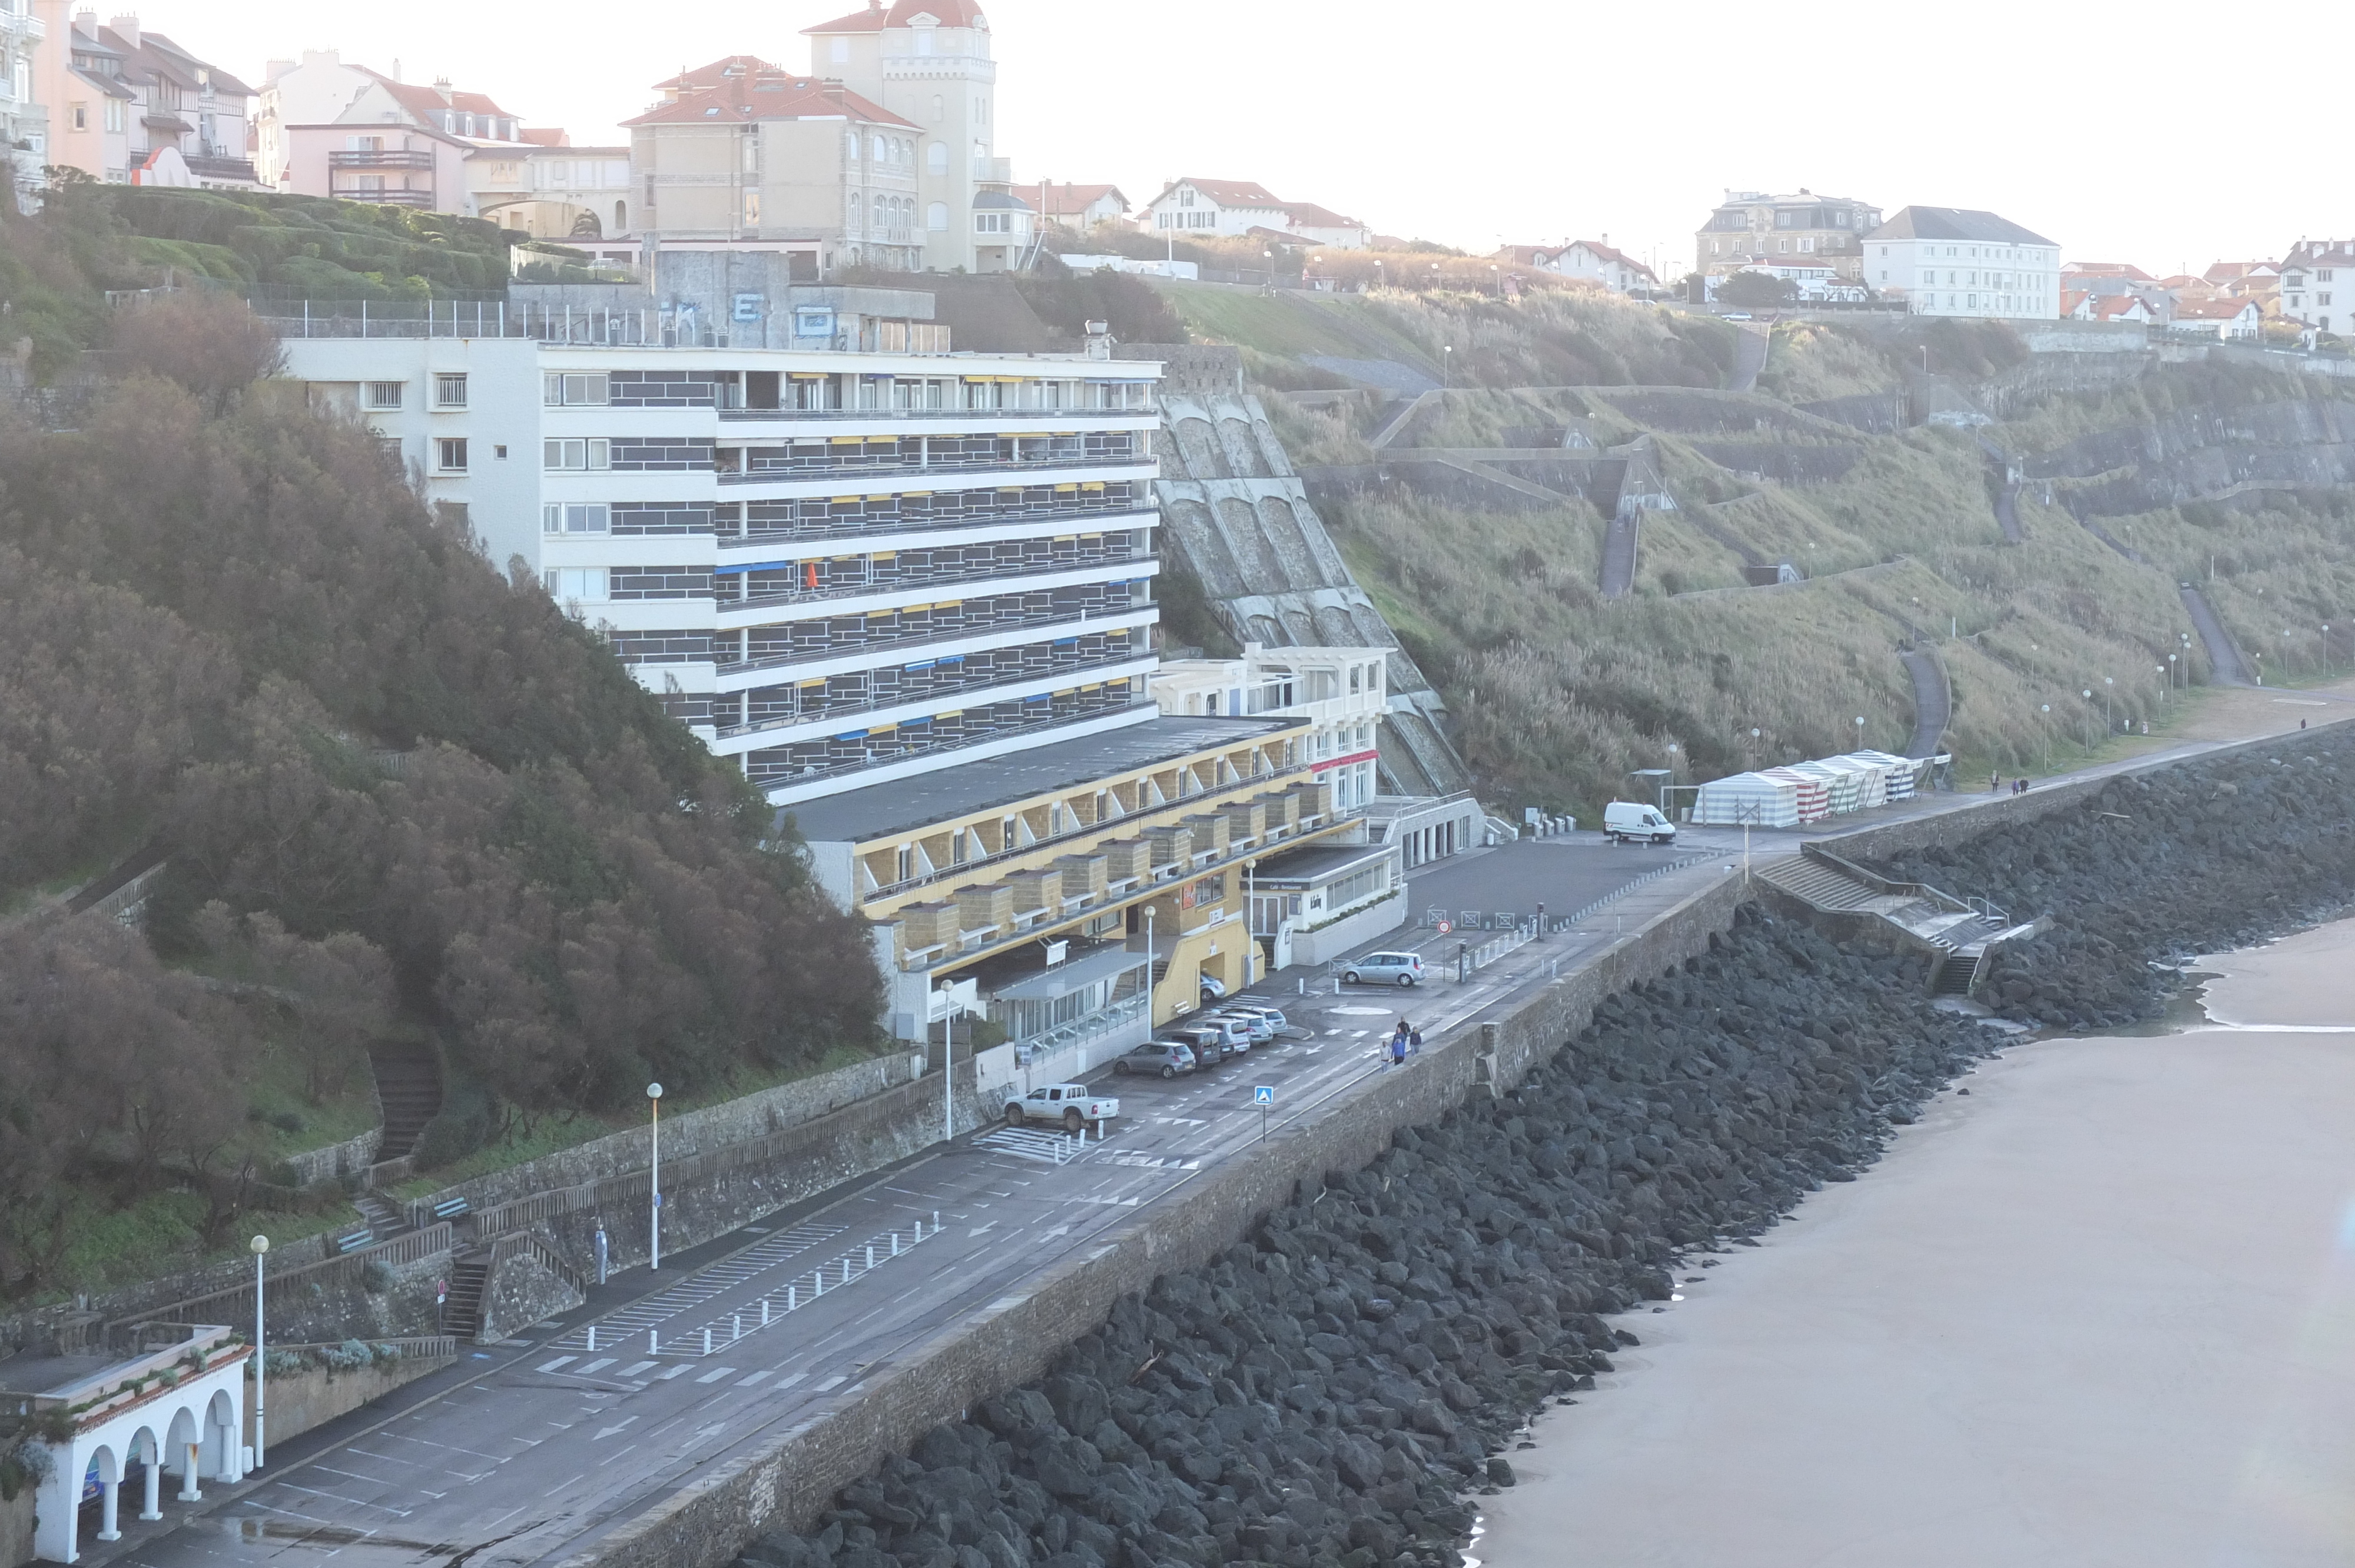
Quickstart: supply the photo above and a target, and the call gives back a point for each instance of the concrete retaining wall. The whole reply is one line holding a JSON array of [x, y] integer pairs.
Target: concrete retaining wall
[[348, 1158], [316, 1395], [17, 1519], [1329, 942]]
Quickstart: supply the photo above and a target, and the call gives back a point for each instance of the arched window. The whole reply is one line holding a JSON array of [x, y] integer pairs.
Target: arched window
[[621, 216], [881, 150], [937, 218], [936, 156], [853, 212], [850, 146]]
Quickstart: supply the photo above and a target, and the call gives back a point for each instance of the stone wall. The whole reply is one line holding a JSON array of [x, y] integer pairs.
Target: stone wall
[[349, 1157], [522, 1290], [690, 1132], [16, 1518], [316, 1395]]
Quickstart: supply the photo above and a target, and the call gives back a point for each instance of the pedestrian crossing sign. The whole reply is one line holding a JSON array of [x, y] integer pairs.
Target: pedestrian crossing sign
[[1264, 1095]]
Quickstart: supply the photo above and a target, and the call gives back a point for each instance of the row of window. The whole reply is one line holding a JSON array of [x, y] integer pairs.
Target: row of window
[[448, 392], [818, 392]]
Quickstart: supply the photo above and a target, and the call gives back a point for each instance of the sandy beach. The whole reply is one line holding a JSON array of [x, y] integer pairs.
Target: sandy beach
[[2098, 1311]]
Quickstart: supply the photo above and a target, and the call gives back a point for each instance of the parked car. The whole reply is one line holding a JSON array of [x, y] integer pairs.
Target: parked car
[[1209, 1046], [1075, 1105], [1271, 1016], [1627, 821], [1385, 969], [1257, 1031], [1163, 1058], [1237, 1032]]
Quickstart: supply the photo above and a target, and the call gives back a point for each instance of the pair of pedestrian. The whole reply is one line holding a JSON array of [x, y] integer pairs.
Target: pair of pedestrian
[[1405, 1041]]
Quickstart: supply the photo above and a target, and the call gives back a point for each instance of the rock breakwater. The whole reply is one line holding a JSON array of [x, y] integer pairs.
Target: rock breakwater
[[2155, 867], [1325, 1392]]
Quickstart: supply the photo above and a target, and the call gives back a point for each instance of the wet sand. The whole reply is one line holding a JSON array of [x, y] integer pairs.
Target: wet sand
[[2099, 1311]]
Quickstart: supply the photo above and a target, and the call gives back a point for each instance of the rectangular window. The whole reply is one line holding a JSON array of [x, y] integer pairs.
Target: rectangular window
[[449, 454], [115, 116], [449, 391], [752, 209], [2322, 275], [576, 455], [2323, 298], [575, 517], [575, 585], [80, 112], [570, 390], [384, 394]]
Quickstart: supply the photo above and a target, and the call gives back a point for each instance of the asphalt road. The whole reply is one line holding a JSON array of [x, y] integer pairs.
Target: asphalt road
[[531, 1450]]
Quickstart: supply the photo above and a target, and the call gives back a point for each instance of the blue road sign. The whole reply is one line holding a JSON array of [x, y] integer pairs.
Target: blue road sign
[[1264, 1095]]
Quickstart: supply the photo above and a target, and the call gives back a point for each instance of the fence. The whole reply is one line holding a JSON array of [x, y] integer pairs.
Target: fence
[[237, 1300]]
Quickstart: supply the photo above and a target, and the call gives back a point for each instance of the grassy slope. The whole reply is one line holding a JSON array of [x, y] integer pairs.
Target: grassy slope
[[1559, 693]]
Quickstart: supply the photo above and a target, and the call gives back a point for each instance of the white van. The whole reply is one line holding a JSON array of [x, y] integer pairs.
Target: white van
[[1626, 822]]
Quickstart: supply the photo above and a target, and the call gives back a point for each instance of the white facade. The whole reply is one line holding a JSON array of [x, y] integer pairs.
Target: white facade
[[1214, 207], [2317, 285], [1599, 263], [175, 1409], [314, 90], [1340, 692], [1949, 261], [837, 567]]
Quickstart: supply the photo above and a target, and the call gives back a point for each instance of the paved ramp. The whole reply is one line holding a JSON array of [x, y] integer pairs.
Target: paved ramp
[[1933, 701], [2224, 654]]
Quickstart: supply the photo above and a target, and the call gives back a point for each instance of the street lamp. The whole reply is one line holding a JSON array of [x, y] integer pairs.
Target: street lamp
[[1497, 279], [654, 1221], [2047, 709], [1859, 732], [2088, 695], [260, 1246], [1447, 364], [2109, 721]]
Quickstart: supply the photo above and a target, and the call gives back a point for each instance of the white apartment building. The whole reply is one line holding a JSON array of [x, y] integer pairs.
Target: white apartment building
[[840, 569], [2311, 284], [1339, 692], [1953, 261], [23, 124]]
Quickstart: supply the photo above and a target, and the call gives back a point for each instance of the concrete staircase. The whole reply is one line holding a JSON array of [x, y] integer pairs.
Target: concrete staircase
[[462, 1315], [409, 1091], [1956, 934]]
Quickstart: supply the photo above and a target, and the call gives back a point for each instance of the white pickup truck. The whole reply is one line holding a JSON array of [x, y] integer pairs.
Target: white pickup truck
[[1075, 1105]]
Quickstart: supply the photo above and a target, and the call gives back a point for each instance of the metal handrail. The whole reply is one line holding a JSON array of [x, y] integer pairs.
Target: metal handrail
[[807, 776], [918, 584], [900, 699], [796, 473], [864, 528], [929, 639]]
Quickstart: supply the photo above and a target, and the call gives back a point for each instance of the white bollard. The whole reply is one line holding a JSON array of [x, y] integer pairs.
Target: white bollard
[[736, 1326], [792, 1297], [707, 1342], [895, 1243], [818, 1282], [592, 1339], [845, 1271], [653, 1345], [871, 1254], [764, 1311]]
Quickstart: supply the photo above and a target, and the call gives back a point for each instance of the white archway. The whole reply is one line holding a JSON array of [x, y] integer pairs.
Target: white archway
[[192, 1425]]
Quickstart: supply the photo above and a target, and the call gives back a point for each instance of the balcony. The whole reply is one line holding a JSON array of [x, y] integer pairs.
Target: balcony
[[1007, 576], [770, 771], [1051, 624], [422, 200], [1130, 513], [852, 458], [1031, 666], [1142, 415], [382, 158]]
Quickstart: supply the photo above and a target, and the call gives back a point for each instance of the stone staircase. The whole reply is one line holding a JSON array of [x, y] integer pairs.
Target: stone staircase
[[462, 1315], [1957, 934], [409, 1090]]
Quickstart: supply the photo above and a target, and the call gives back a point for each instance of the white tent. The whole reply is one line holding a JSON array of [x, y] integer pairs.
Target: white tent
[[1752, 798]]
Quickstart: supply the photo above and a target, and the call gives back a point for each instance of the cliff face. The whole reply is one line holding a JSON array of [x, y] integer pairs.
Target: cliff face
[[2205, 452]]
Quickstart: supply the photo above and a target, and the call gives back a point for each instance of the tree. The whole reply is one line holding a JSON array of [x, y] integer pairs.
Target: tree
[[1756, 291], [208, 343]]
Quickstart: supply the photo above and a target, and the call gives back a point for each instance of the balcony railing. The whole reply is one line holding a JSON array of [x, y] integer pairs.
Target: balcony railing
[[798, 415], [767, 537], [787, 776], [791, 468], [997, 576], [421, 199], [997, 675], [382, 158], [1069, 625]]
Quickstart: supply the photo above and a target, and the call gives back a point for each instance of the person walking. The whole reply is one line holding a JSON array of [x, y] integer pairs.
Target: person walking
[[1995, 782], [1414, 1042], [1398, 1049]]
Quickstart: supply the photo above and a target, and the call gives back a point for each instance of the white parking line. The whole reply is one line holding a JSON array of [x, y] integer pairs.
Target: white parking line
[[682, 1368], [716, 1373], [756, 1377], [599, 1365], [634, 1367], [560, 1360], [786, 1382]]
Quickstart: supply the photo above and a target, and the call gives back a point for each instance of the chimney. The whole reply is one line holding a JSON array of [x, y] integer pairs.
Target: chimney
[[441, 86], [85, 22], [126, 28]]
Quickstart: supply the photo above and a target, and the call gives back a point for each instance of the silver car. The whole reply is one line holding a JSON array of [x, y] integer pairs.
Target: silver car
[[1385, 969], [1271, 1016], [1258, 1030], [1164, 1058]]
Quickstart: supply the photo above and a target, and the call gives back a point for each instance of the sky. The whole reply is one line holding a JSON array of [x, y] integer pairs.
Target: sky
[[1516, 122]]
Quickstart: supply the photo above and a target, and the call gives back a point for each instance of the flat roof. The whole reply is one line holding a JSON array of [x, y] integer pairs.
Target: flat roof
[[1313, 863], [902, 805]]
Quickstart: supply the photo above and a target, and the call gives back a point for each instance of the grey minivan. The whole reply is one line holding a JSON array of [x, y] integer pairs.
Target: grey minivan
[[1385, 969]]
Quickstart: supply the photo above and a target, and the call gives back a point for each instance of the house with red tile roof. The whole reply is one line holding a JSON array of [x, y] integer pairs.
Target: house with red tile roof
[[1207, 208], [1595, 260], [741, 154], [1074, 206], [2227, 318]]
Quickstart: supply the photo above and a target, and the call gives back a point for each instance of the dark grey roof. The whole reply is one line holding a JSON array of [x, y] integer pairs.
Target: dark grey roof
[[1956, 223], [899, 805], [1313, 863]]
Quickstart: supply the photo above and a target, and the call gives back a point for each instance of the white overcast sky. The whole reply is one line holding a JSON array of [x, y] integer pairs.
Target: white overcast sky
[[2145, 138]]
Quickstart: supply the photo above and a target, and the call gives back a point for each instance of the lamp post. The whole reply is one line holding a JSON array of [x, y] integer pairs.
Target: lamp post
[[2109, 720], [1152, 1008], [2088, 695], [1859, 732], [1497, 279], [1447, 364], [260, 1246], [2047, 709], [2170, 671], [653, 1217]]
